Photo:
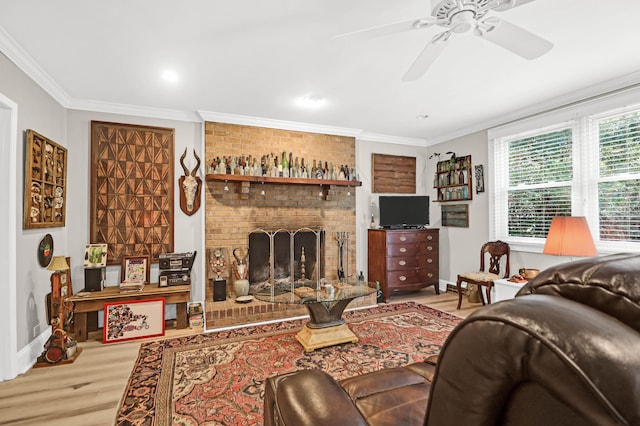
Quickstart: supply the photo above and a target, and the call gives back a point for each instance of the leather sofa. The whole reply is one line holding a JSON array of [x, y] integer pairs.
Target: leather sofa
[[564, 351]]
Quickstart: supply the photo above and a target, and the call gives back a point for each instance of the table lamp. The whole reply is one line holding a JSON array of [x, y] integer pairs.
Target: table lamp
[[569, 236]]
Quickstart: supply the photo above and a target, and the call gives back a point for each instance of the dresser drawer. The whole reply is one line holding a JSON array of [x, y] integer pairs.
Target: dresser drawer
[[415, 249], [410, 276], [408, 262], [401, 237]]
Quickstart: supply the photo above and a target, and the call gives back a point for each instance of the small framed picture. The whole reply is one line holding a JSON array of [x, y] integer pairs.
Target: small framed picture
[[135, 269], [95, 255]]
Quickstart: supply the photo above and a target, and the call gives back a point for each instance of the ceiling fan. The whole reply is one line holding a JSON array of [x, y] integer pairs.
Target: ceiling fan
[[459, 17]]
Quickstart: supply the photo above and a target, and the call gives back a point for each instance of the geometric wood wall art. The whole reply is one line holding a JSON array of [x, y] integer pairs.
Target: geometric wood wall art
[[132, 190], [45, 182], [393, 174]]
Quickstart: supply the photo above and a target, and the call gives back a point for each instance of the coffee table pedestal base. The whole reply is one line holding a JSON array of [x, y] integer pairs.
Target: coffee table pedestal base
[[316, 338]]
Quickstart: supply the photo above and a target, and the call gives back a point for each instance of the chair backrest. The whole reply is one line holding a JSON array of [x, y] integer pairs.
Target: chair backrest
[[495, 249]]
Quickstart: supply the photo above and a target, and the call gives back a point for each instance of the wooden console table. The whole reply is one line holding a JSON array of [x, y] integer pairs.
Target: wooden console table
[[95, 301]]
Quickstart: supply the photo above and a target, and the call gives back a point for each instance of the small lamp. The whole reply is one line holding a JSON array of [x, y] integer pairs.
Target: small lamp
[[569, 236], [58, 264]]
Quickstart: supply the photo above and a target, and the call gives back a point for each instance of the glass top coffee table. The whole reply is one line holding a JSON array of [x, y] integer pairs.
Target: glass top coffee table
[[325, 304]]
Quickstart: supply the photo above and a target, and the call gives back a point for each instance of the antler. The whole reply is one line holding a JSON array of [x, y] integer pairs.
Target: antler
[[184, 154], [244, 258], [195, 169]]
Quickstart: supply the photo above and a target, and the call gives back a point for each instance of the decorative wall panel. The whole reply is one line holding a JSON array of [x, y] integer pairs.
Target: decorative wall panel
[[393, 174], [132, 189]]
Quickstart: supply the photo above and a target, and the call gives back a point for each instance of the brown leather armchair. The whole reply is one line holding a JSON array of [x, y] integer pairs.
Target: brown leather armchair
[[565, 351]]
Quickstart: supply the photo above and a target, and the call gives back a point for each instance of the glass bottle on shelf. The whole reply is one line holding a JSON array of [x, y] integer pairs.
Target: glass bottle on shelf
[[461, 177]]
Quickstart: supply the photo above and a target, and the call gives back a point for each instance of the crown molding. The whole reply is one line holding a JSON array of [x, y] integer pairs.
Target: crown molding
[[397, 140], [271, 123], [29, 66], [140, 111]]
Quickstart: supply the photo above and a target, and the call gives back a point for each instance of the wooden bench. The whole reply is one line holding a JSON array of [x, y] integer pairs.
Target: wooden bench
[[95, 301]]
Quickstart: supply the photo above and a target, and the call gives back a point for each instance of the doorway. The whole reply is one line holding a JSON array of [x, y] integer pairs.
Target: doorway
[[8, 227]]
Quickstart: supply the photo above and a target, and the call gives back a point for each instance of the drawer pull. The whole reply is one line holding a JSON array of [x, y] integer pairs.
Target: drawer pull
[[403, 250], [402, 262], [429, 260], [402, 278], [403, 238], [429, 248], [430, 275], [429, 237]]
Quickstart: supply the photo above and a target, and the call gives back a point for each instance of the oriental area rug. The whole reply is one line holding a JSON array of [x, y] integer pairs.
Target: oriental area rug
[[218, 378]]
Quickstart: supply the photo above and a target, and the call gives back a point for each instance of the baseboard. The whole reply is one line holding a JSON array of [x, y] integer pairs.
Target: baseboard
[[28, 355]]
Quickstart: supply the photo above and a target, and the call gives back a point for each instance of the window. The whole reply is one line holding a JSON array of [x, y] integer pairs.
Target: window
[[572, 162]]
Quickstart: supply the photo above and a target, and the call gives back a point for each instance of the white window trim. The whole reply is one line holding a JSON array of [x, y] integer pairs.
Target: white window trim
[[584, 116]]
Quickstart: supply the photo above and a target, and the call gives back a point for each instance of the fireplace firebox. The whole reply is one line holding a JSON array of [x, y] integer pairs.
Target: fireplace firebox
[[281, 258]]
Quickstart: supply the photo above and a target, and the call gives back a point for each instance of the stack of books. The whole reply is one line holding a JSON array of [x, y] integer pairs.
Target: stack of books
[[131, 286], [196, 316]]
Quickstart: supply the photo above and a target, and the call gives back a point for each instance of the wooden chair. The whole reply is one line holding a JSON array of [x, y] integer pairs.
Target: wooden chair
[[496, 250]]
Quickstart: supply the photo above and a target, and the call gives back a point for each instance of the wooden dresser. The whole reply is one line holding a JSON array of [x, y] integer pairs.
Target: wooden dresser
[[403, 259]]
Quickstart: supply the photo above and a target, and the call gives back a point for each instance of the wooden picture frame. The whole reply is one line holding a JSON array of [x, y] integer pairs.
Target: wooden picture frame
[[133, 319], [135, 269], [45, 182], [456, 215], [132, 189]]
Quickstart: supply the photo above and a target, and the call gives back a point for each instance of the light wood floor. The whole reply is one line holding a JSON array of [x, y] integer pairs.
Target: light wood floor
[[88, 391]]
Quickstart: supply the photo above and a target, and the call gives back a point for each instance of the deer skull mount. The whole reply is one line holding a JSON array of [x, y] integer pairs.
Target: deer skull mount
[[191, 186]]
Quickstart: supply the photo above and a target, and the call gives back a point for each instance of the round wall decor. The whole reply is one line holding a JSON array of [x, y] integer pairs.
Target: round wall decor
[[45, 250]]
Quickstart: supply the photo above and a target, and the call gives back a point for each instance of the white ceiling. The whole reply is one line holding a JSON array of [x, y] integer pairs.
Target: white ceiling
[[256, 58]]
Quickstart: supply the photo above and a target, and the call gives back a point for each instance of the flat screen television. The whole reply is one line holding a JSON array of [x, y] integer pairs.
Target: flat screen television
[[410, 211]]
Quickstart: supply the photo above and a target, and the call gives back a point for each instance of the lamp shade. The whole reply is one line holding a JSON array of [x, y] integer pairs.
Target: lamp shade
[[569, 236], [59, 263]]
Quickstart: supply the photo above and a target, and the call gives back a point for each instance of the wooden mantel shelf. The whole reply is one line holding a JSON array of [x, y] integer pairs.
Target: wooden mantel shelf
[[293, 181], [246, 181]]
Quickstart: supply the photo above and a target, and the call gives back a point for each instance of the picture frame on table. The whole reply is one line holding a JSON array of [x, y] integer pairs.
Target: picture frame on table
[[135, 269], [95, 255], [133, 319]]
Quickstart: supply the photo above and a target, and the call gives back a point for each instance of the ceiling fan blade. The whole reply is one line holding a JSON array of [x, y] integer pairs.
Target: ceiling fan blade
[[388, 29], [516, 39], [510, 4], [427, 56]]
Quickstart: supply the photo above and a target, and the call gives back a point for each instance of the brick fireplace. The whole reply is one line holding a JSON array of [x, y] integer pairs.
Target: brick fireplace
[[232, 215]]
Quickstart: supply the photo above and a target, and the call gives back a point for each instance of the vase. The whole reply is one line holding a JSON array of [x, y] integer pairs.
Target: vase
[[241, 287]]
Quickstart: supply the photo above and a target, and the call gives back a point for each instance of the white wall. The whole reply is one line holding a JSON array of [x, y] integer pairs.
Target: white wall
[[460, 247], [366, 201], [37, 111], [188, 230]]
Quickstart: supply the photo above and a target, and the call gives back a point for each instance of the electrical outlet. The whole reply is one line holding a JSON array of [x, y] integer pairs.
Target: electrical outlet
[[36, 330]]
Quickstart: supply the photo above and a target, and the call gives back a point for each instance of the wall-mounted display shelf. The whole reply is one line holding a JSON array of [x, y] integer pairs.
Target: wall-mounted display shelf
[[246, 181], [452, 179]]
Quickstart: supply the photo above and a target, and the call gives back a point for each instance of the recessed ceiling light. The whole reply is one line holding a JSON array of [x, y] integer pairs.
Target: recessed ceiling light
[[422, 116], [170, 76], [311, 101]]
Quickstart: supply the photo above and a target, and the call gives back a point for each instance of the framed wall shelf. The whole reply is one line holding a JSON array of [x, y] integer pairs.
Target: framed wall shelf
[[453, 179]]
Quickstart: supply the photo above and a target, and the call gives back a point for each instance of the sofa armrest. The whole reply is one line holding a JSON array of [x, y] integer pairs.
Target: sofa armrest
[[313, 398], [584, 359]]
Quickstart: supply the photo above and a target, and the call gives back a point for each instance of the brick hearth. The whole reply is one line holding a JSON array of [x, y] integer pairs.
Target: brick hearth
[[229, 313]]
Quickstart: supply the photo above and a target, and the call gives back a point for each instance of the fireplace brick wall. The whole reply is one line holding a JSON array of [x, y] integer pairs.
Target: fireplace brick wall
[[231, 215]]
